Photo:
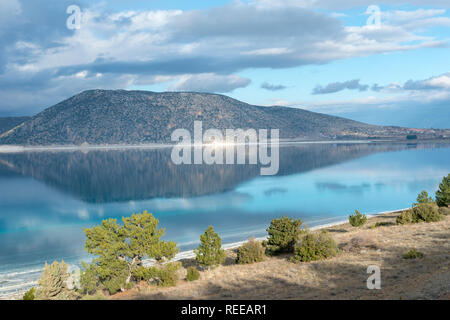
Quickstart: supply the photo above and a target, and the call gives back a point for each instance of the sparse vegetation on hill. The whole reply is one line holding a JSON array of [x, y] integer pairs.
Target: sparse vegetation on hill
[[423, 210], [413, 254], [137, 117], [283, 234], [357, 219], [315, 246], [210, 253], [8, 123], [192, 274], [250, 252]]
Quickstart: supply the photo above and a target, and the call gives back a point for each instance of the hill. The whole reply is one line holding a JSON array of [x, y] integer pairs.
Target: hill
[[137, 117], [7, 123]]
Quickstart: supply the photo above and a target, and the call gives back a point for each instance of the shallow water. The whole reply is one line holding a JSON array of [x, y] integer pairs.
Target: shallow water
[[46, 198]]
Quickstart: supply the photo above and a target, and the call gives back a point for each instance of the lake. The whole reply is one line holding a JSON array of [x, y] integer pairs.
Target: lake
[[46, 198]]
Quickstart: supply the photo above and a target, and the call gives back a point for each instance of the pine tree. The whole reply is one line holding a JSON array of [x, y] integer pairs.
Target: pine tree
[[210, 252], [121, 249], [443, 194], [423, 198]]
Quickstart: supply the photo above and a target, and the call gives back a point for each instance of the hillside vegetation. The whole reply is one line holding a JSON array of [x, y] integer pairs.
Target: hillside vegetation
[[8, 123], [137, 117]]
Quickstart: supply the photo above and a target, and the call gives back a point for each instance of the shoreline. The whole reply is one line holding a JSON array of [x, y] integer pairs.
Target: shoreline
[[189, 254], [154, 146]]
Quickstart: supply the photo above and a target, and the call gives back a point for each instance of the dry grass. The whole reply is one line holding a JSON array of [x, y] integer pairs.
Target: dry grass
[[342, 277]]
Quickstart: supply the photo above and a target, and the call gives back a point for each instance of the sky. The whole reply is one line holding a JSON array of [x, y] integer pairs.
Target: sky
[[382, 62]]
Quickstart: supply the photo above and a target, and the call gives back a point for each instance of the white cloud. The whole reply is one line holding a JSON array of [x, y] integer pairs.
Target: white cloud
[[434, 90], [268, 51], [440, 82], [210, 82]]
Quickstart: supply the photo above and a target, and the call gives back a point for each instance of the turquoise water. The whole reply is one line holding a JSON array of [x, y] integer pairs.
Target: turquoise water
[[46, 198]]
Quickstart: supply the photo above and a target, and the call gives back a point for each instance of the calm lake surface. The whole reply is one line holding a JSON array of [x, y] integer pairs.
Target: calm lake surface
[[46, 198]]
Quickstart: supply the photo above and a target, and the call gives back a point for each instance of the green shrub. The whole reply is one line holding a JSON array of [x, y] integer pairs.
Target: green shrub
[[167, 276], [116, 284], [315, 246], [413, 254], [52, 283], [444, 211], [142, 273], [192, 274], [406, 217], [112, 273], [283, 233], [426, 212], [250, 252], [423, 212], [89, 279], [162, 275], [30, 294], [443, 194], [423, 198], [357, 219], [210, 252], [383, 224]]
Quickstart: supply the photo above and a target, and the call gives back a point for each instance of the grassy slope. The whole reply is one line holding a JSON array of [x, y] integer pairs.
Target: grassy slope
[[343, 277]]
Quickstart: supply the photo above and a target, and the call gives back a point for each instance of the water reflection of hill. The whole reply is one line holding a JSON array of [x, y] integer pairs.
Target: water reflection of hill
[[109, 176]]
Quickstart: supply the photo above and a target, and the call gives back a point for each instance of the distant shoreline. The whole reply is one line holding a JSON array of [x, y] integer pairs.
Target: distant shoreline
[[87, 148]]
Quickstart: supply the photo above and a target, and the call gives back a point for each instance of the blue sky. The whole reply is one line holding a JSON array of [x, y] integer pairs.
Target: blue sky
[[319, 55]]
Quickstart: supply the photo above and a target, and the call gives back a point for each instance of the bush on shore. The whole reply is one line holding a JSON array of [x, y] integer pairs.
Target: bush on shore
[[383, 224], [283, 234], [357, 219], [30, 294], [413, 254], [167, 275], [210, 253], [192, 274], [406, 217], [315, 246], [163, 276], [444, 211], [426, 212], [423, 212], [250, 252]]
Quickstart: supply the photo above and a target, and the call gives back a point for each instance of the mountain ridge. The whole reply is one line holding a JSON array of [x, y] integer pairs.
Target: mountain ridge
[[8, 123], [111, 117]]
